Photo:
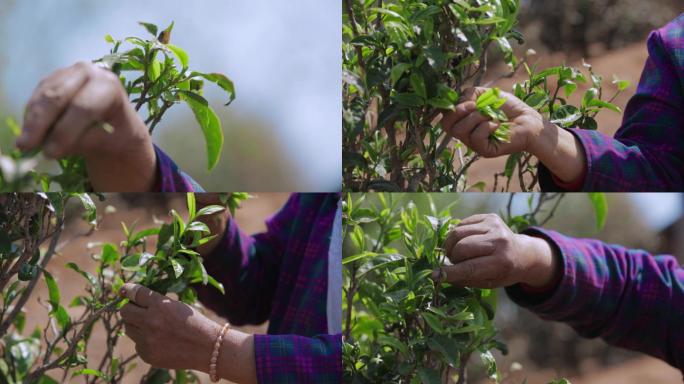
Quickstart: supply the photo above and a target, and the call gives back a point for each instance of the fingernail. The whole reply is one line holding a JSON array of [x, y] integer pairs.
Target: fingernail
[[436, 274], [122, 292]]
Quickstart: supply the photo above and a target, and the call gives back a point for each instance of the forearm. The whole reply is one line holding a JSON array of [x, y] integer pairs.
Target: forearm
[[546, 267], [611, 292], [561, 152]]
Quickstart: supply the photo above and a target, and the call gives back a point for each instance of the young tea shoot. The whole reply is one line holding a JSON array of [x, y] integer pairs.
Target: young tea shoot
[[488, 104]]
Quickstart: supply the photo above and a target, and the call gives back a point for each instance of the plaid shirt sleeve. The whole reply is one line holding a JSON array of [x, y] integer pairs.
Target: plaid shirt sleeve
[[249, 265], [647, 152], [298, 359], [629, 298], [170, 178]]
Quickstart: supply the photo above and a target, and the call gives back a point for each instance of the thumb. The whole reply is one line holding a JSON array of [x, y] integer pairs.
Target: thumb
[[139, 295]]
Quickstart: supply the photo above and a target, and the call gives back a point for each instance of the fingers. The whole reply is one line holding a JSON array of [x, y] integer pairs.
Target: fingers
[[133, 314], [48, 102], [479, 137], [86, 108], [472, 93], [458, 234], [460, 111], [471, 247], [140, 295], [481, 272], [465, 127], [474, 219], [134, 332]]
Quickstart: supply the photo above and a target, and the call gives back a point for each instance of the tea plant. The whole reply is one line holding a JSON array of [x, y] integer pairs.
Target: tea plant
[[405, 63], [171, 266], [399, 325], [156, 76]]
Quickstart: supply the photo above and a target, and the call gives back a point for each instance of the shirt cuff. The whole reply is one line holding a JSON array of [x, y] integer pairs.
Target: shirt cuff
[[170, 178], [298, 359]]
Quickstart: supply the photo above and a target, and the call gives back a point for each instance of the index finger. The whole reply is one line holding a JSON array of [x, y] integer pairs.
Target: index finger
[[460, 111], [141, 296], [459, 233], [48, 102]]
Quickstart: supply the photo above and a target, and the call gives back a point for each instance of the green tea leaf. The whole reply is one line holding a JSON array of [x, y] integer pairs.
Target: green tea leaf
[[192, 207], [91, 279], [359, 256], [154, 71], [177, 268], [210, 124], [600, 204], [110, 255], [180, 54], [222, 81], [210, 210], [151, 28], [429, 376], [433, 322], [398, 71], [53, 290], [88, 372]]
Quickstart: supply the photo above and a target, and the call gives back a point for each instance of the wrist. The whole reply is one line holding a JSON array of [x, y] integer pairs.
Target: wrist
[[133, 169], [542, 141], [200, 356], [561, 152], [544, 267]]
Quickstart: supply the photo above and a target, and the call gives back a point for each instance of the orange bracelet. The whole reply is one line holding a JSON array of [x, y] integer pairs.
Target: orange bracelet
[[215, 354]]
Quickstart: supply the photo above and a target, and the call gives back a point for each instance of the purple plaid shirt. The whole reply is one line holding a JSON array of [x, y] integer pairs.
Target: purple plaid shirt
[[280, 276], [647, 152], [629, 298]]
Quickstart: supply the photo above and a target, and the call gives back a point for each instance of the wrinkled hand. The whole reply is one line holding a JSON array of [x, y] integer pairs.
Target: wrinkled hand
[[485, 253], [473, 129], [84, 110], [167, 333]]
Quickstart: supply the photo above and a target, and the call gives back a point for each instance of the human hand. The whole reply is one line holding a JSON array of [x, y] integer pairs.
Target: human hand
[[486, 254], [471, 127], [84, 110], [168, 333]]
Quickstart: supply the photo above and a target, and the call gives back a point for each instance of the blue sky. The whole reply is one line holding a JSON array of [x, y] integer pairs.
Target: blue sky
[[284, 57]]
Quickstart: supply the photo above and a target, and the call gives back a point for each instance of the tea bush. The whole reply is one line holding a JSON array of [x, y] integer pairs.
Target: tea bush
[[399, 325], [31, 229], [156, 75], [406, 62]]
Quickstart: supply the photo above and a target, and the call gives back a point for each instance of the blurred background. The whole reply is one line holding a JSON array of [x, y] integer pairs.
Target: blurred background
[[539, 350], [609, 34], [283, 131]]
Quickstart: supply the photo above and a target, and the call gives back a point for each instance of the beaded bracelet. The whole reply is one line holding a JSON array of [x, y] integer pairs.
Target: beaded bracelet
[[214, 355]]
